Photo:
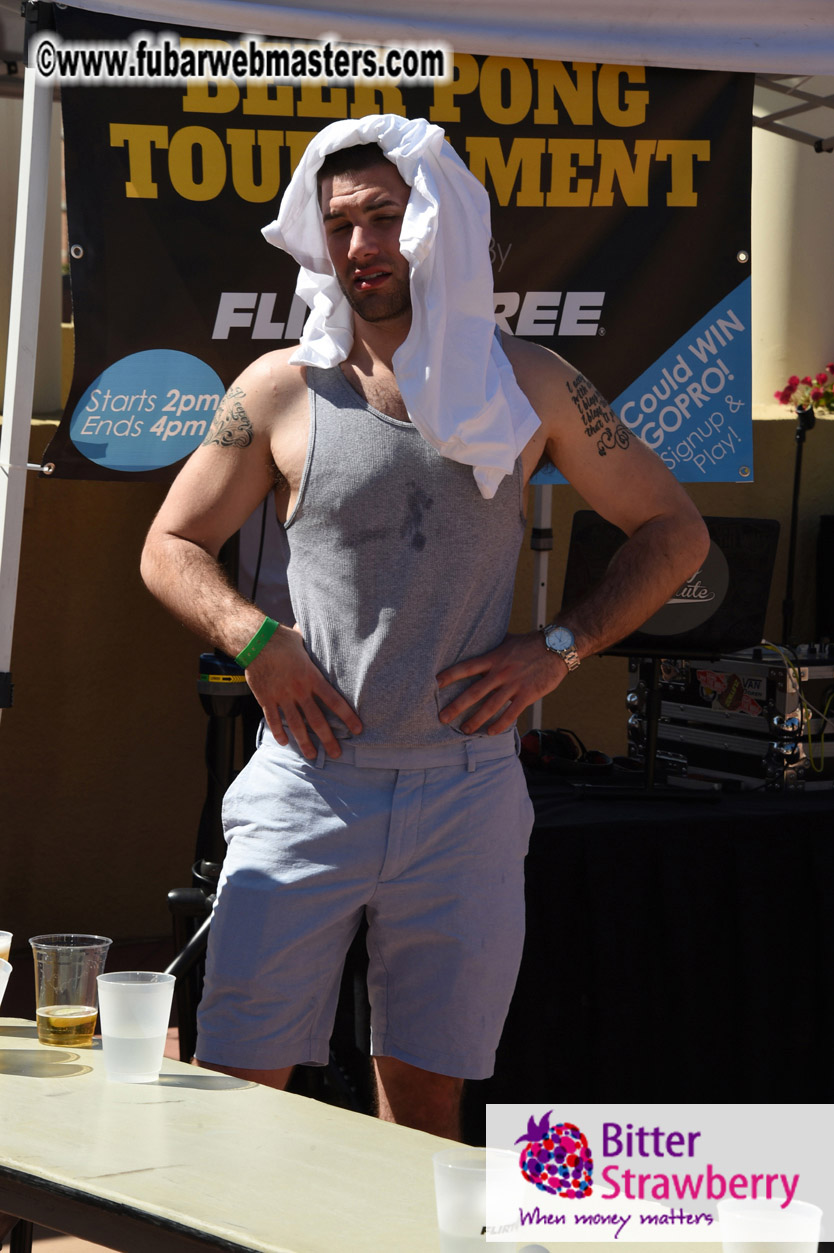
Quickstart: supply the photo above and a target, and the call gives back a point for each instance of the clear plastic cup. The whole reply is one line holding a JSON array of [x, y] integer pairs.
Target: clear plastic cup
[[473, 1189], [5, 971], [66, 969], [769, 1226], [135, 1009]]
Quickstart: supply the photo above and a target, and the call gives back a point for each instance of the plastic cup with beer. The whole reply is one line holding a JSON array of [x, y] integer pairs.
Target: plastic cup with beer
[[66, 969], [135, 1009], [5, 945]]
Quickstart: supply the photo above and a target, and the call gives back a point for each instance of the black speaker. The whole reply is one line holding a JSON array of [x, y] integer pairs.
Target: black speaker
[[720, 610]]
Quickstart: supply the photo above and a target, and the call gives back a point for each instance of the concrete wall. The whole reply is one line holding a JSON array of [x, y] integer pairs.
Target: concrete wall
[[101, 769]]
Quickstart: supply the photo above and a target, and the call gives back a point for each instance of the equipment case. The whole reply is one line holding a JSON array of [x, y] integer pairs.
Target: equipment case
[[744, 718]]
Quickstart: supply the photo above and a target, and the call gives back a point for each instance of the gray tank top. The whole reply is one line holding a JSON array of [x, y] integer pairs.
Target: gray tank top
[[398, 566]]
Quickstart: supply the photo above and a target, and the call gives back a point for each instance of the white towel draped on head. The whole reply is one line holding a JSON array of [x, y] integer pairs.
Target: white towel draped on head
[[453, 375]]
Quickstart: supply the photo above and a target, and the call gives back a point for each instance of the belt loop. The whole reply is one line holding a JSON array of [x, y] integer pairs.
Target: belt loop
[[321, 756], [517, 738], [471, 760]]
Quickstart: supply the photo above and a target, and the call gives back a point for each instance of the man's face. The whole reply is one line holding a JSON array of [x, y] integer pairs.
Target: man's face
[[363, 214]]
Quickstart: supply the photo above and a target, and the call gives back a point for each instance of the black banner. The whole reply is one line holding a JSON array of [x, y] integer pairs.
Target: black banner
[[621, 236]]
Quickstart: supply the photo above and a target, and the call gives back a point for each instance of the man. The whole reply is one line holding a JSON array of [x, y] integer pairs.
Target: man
[[386, 781]]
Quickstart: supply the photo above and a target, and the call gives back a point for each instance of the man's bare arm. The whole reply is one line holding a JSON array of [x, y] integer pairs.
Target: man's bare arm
[[625, 483], [218, 488]]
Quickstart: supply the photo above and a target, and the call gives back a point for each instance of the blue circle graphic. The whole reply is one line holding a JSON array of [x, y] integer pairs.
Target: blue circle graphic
[[146, 411]]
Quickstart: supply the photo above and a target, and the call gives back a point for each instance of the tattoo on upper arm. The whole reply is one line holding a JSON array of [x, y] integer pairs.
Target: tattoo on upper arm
[[231, 427], [599, 420]]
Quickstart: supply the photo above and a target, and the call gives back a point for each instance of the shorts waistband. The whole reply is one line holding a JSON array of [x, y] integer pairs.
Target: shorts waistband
[[466, 755]]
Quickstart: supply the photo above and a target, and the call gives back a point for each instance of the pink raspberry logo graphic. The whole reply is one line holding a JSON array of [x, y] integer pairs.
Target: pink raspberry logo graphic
[[556, 1158]]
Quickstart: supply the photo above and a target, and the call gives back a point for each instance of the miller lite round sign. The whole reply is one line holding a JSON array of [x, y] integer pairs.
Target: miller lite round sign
[[695, 601]]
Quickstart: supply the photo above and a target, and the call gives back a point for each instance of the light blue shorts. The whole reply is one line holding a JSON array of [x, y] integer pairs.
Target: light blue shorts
[[428, 844]]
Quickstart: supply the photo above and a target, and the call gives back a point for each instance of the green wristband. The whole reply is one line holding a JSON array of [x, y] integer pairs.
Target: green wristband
[[261, 637]]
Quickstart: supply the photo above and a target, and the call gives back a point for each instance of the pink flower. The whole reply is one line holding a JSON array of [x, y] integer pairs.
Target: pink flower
[[830, 367], [793, 381], [785, 396], [822, 378], [817, 394], [807, 380]]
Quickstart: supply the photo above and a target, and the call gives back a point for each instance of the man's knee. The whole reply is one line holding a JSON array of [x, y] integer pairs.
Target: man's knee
[[418, 1098], [269, 1078]]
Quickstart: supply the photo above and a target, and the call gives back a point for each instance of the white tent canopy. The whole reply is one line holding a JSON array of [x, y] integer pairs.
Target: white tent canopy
[[758, 36]]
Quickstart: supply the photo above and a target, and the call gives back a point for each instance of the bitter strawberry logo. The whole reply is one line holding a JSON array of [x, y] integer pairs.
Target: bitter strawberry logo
[[557, 1158]]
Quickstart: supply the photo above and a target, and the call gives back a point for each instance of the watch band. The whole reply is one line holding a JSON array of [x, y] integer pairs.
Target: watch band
[[565, 638], [571, 658]]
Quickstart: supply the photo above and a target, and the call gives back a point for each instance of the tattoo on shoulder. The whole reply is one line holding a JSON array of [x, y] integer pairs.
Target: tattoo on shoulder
[[231, 427], [598, 419]]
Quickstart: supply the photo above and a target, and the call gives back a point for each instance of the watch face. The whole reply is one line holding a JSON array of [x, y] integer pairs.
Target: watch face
[[559, 639]]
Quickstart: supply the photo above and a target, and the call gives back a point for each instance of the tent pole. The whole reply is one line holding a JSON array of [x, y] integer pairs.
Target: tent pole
[[541, 542], [22, 348]]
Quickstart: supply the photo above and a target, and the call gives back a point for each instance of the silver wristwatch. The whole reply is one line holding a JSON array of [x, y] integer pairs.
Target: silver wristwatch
[[559, 640]]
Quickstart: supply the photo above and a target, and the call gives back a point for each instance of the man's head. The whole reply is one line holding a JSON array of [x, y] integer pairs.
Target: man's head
[[353, 160], [363, 199]]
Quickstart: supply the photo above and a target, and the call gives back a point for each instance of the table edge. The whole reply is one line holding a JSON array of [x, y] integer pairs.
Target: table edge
[[23, 1194]]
